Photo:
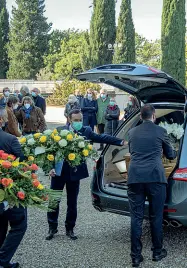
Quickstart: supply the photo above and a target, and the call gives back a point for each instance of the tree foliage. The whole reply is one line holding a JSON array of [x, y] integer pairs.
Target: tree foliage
[[29, 36], [102, 31], [173, 38], [148, 52], [62, 91], [125, 36], [4, 30]]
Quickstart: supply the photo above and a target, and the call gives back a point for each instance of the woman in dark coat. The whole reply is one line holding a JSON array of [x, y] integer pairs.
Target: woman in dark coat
[[89, 109], [132, 106], [112, 117]]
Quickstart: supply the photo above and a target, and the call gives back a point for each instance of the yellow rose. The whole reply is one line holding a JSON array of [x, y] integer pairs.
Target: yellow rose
[[1, 162], [31, 158], [90, 147], [57, 138], [71, 157], [55, 131], [50, 157], [40, 187], [10, 185], [23, 140], [52, 135], [43, 139], [69, 137], [37, 135], [85, 152], [15, 164]]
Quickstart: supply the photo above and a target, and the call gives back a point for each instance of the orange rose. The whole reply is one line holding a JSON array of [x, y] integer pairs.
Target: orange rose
[[21, 195], [11, 157], [34, 176], [4, 156], [6, 182], [34, 167], [1, 152], [6, 164], [35, 183]]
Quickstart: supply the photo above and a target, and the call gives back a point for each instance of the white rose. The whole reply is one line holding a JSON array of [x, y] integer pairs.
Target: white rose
[[48, 132], [39, 150], [81, 144], [31, 141], [63, 143], [64, 132]]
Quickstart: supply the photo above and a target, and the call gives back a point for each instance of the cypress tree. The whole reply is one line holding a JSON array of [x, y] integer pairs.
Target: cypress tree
[[173, 39], [4, 29], [125, 37], [29, 39], [102, 31]]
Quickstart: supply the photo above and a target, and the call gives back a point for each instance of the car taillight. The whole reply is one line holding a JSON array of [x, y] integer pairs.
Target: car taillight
[[180, 174]]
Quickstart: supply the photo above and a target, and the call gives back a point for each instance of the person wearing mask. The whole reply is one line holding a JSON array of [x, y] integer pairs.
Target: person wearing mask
[[102, 103], [30, 117], [15, 217], [17, 94], [89, 109], [112, 117], [6, 94], [12, 126], [38, 100], [132, 106], [72, 104], [71, 177], [147, 180], [24, 92], [78, 96]]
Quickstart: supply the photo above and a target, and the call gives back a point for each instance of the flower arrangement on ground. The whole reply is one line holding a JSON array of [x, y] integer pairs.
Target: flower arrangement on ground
[[19, 185], [50, 147]]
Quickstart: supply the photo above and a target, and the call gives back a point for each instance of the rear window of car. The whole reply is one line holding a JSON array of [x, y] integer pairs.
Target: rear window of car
[[183, 158]]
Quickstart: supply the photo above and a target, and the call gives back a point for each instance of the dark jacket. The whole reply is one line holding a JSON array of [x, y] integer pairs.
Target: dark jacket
[[81, 171], [89, 109], [1, 208], [112, 119], [40, 103], [71, 106], [79, 98], [12, 126], [129, 110], [147, 143]]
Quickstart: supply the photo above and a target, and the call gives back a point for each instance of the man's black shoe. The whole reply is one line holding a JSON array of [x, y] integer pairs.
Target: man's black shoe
[[51, 234], [136, 261], [10, 265], [71, 234], [159, 257]]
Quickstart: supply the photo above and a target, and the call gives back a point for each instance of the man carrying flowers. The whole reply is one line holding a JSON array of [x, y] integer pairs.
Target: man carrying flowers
[[16, 217], [71, 176]]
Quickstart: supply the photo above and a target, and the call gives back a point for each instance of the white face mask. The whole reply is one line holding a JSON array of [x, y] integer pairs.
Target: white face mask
[[6, 93], [15, 106], [27, 105]]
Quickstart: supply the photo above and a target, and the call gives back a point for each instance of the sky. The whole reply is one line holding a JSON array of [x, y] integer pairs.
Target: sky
[[66, 14]]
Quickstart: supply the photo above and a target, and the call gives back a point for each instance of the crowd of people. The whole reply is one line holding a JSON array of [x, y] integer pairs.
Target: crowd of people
[[25, 111]]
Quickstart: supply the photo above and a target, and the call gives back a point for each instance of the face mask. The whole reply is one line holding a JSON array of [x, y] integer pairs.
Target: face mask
[[15, 107], [34, 94], [77, 125], [90, 95], [130, 103], [103, 96], [15, 94], [112, 103], [27, 105], [6, 93]]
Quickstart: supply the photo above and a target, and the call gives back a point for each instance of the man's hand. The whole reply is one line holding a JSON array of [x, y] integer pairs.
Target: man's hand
[[52, 173], [6, 205], [123, 143]]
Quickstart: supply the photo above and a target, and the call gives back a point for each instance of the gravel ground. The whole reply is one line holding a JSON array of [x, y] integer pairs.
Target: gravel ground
[[104, 240]]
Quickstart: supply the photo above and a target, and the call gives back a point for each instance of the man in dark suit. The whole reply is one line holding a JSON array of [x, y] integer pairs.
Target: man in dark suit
[[16, 217], [146, 178], [38, 100], [71, 176]]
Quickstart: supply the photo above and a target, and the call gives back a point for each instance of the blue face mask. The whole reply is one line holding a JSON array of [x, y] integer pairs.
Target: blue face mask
[[77, 125], [103, 96], [112, 103], [34, 94]]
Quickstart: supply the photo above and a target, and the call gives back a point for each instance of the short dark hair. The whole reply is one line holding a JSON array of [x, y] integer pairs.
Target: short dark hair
[[75, 111], [147, 111], [12, 100], [5, 89]]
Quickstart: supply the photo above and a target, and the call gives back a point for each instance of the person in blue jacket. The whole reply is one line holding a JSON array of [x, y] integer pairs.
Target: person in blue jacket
[[71, 177], [89, 109]]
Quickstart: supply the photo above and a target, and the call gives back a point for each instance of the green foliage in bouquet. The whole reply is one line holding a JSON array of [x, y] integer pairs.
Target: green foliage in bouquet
[[51, 147], [62, 92]]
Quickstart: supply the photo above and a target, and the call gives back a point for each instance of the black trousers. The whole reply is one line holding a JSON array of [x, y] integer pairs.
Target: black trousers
[[101, 129], [156, 194], [17, 219], [72, 190]]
